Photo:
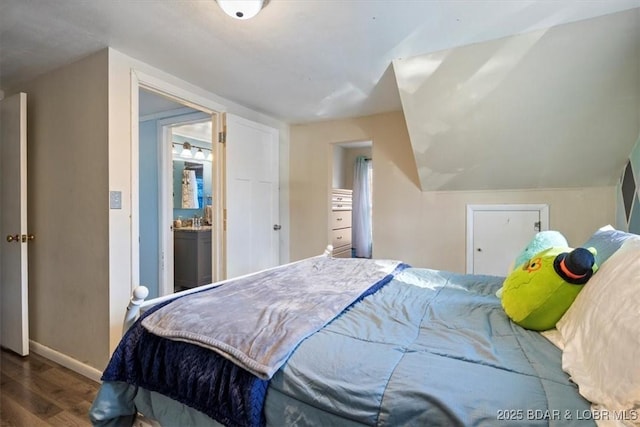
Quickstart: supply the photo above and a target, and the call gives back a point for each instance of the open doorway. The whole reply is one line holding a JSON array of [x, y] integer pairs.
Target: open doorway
[[351, 194], [177, 190], [191, 202]]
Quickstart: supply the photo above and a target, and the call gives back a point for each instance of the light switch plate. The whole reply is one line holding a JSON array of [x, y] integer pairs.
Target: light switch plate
[[115, 199]]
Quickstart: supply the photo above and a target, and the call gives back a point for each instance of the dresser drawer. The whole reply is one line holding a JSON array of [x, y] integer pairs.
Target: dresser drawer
[[342, 252], [341, 237], [341, 198], [341, 206], [340, 219]]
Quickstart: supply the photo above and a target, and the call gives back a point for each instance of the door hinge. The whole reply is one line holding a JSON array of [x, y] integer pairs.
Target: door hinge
[[537, 225], [222, 137]]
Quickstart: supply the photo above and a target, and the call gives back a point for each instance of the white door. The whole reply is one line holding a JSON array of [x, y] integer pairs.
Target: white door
[[13, 209], [252, 193], [498, 233]]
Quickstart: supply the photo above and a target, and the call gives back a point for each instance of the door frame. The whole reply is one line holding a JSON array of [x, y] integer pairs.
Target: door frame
[[542, 209], [142, 80]]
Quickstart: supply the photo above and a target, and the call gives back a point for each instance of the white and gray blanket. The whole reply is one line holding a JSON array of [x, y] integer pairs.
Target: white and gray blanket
[[259, 320]]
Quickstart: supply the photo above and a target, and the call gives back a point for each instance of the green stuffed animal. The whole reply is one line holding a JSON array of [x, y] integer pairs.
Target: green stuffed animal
[[537, 294], [542, 240]]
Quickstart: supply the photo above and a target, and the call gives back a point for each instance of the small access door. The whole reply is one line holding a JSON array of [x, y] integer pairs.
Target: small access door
[[496, 234], [14, 333]]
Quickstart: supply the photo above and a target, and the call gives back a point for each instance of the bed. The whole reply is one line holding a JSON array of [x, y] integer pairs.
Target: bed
[[401, 346]]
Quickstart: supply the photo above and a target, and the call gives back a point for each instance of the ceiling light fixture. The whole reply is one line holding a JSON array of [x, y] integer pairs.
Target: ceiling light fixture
[[186, 151], [241, 9]]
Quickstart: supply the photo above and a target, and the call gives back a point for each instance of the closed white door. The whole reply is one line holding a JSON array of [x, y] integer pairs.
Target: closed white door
[[252, 196], [13, 158], [498, 233]]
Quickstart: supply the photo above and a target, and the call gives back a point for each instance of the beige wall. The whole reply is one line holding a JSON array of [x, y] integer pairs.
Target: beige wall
[[425, 229], [67, 198]]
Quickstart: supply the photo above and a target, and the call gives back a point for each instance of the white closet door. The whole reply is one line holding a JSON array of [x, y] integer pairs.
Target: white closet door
[[252, 196], [498, 233]]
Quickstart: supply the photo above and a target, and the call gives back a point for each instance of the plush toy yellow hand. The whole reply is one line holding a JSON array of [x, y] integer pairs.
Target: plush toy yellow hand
[[537, 294]]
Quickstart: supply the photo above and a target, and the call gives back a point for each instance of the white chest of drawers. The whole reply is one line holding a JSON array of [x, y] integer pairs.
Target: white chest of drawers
[[340, 222]]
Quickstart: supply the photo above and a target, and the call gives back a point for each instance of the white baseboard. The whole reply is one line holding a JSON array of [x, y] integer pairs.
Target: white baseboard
[[66, 361]]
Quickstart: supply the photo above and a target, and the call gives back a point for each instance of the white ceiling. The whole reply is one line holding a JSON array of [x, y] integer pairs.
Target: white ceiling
[[298, 60], [496, 94]]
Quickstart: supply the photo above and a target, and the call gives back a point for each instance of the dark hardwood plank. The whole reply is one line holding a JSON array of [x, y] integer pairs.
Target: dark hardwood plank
[[14, 415], [73, 386], [58, 392], [36, 391], [27, 365], [28, 399], [68, 419]]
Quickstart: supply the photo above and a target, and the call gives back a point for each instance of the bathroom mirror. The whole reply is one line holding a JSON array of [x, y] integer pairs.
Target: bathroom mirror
[[179, 168]]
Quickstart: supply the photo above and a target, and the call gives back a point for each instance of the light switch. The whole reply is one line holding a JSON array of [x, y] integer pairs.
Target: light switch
[[115, 199]]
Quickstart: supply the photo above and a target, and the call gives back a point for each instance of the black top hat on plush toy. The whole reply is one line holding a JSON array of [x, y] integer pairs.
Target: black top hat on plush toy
[[575, 267]]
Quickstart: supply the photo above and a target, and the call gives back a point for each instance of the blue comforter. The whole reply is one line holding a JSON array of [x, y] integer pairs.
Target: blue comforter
[[429, 348]]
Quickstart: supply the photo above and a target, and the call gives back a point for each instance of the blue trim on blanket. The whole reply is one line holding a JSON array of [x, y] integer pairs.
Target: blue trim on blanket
[[196, 376], [380, 283]]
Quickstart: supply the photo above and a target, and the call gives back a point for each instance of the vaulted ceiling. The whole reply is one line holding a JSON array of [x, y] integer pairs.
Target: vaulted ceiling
[[552, 108], [496, 94]]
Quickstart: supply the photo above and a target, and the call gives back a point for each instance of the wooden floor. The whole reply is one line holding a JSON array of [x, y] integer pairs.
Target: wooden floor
[[37, 392]]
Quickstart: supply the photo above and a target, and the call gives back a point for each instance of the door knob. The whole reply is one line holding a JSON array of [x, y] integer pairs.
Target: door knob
[[20, 238], [277, 227]]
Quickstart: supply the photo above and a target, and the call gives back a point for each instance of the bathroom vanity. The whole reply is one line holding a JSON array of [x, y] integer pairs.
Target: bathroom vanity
[[192, 257]]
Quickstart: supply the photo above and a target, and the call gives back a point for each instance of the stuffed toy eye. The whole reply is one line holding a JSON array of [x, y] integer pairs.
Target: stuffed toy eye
[[533, 265]]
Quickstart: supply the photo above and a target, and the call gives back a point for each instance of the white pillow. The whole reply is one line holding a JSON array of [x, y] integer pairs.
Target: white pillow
[[601, 334], [554, 336]]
